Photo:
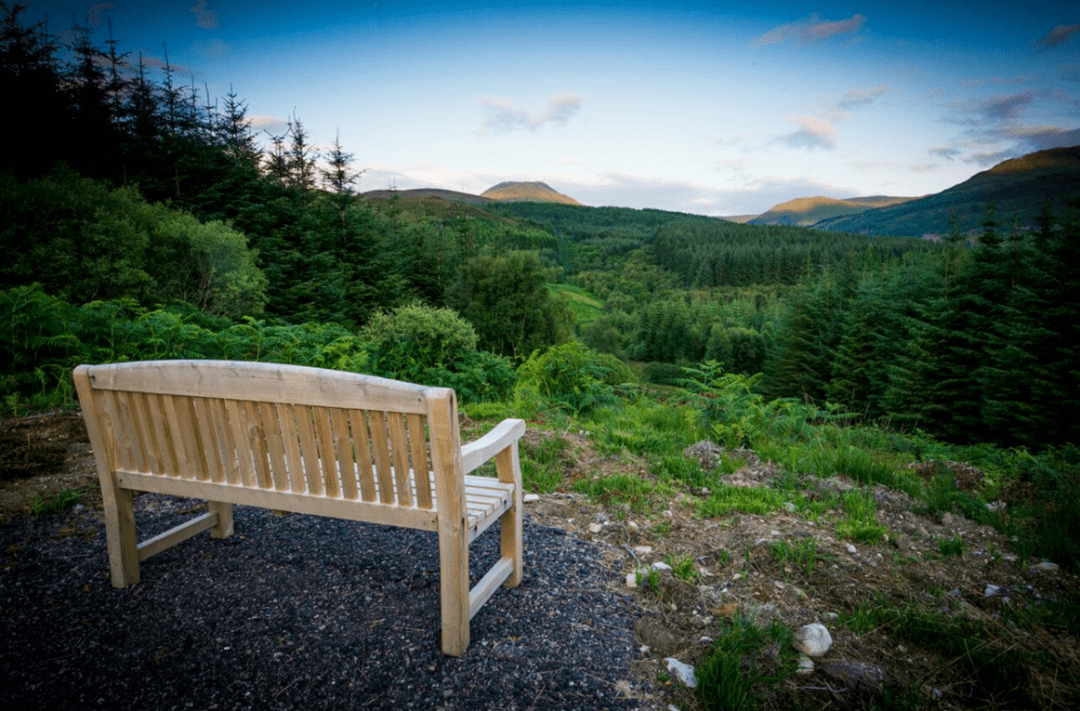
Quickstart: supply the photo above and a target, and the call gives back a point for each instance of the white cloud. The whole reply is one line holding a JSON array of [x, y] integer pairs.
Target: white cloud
[[1059, 35], [810, 31], [204, 16], [1039, 138], [268, 123], [858, 98], [815, 133], [571, 160], [96, 14], [502, 115]]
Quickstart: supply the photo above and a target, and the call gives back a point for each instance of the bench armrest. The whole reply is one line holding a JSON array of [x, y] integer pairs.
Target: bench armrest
[[499, 438]]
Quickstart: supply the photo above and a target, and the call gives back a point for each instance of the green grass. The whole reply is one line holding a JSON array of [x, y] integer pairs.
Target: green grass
[[543, 464], [994, 668], [682, 567], [951, 546], [738, 499], [746, 662], [632, 491], [55, 505], [585, 307], [801, 553], [861, 523]]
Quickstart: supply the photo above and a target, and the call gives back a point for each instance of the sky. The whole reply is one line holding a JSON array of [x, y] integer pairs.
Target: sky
[[713, 108]]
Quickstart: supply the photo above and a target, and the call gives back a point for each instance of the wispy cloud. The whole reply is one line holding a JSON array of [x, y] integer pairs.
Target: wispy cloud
[[1059, 35], [856, 98], [810, 31], [260, 123], [155, 63], [996, 109], [947, 152], [1007, 107], [1040, 138], [96, 14], [204, 16], [814, 133], [1002, 81], [502, 115]]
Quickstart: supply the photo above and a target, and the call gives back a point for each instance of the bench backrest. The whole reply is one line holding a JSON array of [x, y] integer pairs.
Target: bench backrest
[[277, 427]]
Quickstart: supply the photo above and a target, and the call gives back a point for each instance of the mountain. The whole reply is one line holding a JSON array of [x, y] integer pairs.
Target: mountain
[[526, 192], [448, 195], [805, 212], [1016, 189]]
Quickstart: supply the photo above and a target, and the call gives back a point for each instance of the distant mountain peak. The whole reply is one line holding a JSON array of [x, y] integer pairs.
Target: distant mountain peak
[[522, 191]]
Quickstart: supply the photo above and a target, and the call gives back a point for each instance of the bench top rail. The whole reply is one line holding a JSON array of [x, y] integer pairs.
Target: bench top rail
[[264, 382]]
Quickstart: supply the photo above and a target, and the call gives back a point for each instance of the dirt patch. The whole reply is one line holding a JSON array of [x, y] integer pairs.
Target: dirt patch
[[41, 457]]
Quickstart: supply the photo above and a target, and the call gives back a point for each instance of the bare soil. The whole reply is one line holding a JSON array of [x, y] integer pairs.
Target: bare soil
[[302, 611]]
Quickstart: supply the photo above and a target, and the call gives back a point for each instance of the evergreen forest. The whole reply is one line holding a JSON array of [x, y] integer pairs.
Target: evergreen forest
[[149, 220]]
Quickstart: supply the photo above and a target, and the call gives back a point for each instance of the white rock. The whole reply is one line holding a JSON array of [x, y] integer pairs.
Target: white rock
[[642, 550], [813, 640], [632, 526], [684, 672], [596, 527], [631, 580], [658, 566], [806, 665], [851, 548], [992, 590], [1047, 567], [531, 498]]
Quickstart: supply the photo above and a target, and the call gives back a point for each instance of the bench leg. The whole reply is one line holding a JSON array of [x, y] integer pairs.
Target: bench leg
[[454, 587], [120, 537], [508, 466], [224, 526]]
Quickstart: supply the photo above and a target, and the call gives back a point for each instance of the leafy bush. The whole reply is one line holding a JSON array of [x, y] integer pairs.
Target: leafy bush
[[572, 377], [435, 346], [727, 407]]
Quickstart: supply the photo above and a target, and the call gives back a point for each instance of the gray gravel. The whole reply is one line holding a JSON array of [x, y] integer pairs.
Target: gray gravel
[[300, 612]]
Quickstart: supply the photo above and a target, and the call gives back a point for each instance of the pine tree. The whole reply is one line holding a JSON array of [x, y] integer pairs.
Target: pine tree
[[31, 81], [300, 158]]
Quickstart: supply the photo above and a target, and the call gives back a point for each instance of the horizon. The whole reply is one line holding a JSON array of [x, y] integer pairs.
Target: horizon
[[694, 108]]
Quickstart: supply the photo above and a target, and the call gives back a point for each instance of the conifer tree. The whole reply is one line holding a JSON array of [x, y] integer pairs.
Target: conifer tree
[[300, 158]]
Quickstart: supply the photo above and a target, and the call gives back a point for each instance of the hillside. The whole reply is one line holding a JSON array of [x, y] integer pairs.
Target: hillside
[[805, 212], [1016, 189], [527, 192], [448, 195]]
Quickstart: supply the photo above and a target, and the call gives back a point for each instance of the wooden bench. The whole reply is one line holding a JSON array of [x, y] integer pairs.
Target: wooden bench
[[307, 440]]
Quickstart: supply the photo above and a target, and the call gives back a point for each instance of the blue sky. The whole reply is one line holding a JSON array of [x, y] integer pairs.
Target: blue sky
[[718, 108]]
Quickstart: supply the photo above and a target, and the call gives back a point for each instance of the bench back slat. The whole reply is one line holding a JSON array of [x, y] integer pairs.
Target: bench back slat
[[399, 455], [418, 450], [362, 451], [380, 451], [343, 448]]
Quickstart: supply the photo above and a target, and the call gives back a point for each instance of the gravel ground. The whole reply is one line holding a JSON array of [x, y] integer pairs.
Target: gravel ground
[[301, 612]]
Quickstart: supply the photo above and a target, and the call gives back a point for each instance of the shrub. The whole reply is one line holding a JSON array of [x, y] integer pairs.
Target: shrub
[[571, 376]]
